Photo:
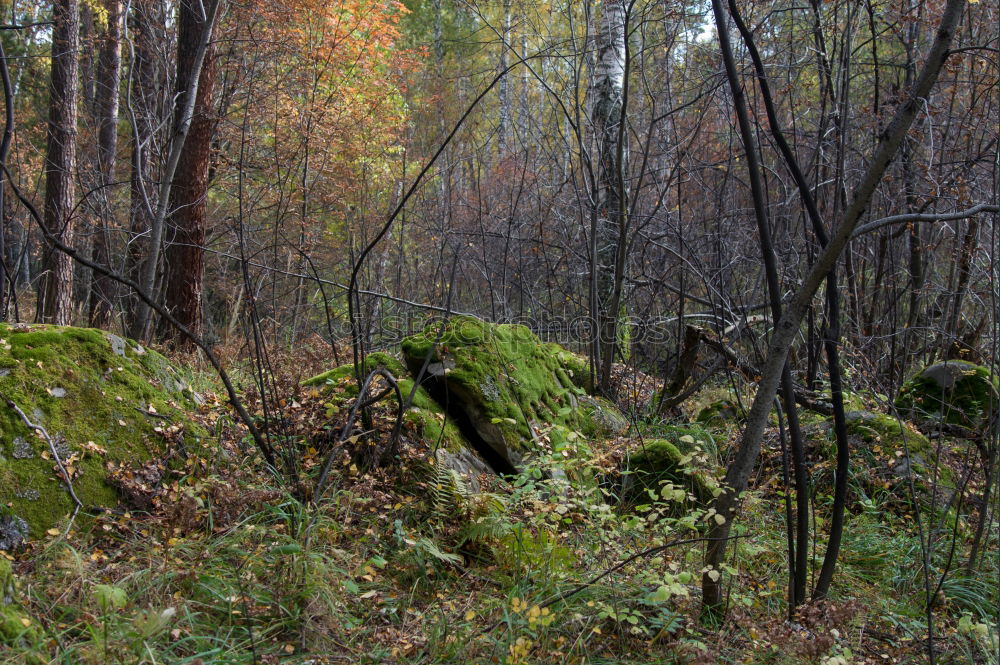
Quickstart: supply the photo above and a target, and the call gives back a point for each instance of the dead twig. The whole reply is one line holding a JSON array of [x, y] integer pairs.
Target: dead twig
[[55, 455]]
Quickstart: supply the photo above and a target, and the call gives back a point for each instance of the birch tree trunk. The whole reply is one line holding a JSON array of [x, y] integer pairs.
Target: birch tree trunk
[[607, 96], [503, 128], [56, 287]]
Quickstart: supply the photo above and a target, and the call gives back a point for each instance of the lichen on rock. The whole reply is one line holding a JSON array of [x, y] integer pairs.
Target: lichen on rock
[[92, 393]]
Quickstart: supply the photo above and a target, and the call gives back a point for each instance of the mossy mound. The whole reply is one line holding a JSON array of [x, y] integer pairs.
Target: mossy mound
[[372, 362], [520, 395], [101, 399], [886, 451], [425, 418], [955, 392], [720, 412], [683, 462]]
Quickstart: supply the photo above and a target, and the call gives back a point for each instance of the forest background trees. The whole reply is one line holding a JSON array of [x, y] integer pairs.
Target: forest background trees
[[621, 188]]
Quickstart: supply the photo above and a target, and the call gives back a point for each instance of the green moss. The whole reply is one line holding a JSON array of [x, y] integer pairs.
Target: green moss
[[511, 385], [955, 392], [656, 462], [374, 360], [689, 438], [86, 388], [719, 412], [885, 450], [13, 632], [425, 417], [6, 582]]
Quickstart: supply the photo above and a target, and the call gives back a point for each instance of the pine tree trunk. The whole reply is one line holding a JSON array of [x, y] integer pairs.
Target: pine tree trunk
[[56, 286], [185, 255]]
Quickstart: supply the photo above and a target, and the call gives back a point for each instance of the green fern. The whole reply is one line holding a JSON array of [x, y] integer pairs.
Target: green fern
[[450, 494]]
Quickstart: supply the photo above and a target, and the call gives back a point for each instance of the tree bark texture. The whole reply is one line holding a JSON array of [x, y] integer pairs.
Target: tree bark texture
[[738, 473], [56, 288], [607, 101], [188, 202]]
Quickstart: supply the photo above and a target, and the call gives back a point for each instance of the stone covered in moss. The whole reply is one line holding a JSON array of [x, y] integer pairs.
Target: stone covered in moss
[[372, 362], [516, 391], [887, 451], [682, 462], [93, 393], [719, 412], [955, 392], [425, 417]]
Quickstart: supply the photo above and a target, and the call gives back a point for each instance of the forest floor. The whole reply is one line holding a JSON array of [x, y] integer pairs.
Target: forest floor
[[218, 561]]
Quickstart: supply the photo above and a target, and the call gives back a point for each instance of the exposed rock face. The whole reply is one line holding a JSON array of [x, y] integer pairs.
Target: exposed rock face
[[954, 392], [92, 392], [509, 391], [425, 417]]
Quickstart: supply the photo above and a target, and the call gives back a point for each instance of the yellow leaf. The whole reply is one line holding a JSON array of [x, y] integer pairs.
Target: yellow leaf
[[470, 615], [25, 622], [53, 532]]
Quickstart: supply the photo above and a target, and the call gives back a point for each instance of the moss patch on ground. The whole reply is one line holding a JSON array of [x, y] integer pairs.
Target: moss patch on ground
[[516, 390], [100, 398], [886, 450], [955, 392]]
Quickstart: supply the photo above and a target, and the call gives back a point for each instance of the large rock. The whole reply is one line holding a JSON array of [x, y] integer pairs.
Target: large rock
[[510, 392], [683, 458], [887, 456], [425, 417], [954, 392], [100, 398]]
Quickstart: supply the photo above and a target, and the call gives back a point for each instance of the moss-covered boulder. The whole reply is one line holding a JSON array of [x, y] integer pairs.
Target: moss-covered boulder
[[683, 460], [955, 392], [720, 412], [519, 396], [101, 398], [425, 418], [887, 453]]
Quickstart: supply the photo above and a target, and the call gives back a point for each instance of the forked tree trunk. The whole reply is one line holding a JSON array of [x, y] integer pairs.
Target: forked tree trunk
[[185, 253], [738, 474], [56, 287]]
